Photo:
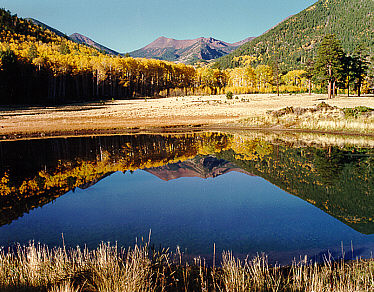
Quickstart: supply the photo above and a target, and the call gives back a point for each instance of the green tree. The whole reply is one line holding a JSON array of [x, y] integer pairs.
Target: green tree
[[309, 73], [360, 67], [349, 74], [8, 58], [32, 52], [64, 48], [370, 76], [275, 67], [328, 66], [8, 75]]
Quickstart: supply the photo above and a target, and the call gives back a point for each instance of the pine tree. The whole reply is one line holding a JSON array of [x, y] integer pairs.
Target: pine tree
[[275, 65], [370, 77], [349, 73], [360, 67], [309, 73], [329, 63]]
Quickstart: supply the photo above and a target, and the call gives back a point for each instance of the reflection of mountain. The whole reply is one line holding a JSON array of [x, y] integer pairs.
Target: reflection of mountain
[[34, 173], [338, 180], [200, 166]]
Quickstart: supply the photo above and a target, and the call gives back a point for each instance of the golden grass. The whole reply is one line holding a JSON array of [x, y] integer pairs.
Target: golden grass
[[109, 268], [361, 125], [105, 269], [322, 119]]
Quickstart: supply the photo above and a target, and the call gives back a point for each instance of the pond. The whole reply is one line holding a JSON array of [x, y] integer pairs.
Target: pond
[[193, 191]]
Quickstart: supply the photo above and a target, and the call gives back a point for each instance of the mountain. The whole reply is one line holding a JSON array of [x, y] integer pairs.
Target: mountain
[[187, 51], [200, 166], [43, 25], [242, 42], [75, 37], [297, 38], [81, 39]]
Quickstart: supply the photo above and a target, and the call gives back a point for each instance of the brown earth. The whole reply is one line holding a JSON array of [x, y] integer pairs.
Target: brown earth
[[152, 115]]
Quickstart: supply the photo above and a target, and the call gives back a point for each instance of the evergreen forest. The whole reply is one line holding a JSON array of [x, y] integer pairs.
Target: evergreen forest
[[296, 39]]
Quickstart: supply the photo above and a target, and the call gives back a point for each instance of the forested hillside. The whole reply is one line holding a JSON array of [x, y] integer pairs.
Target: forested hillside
[[38, 66], [13, 25], [297, 38]]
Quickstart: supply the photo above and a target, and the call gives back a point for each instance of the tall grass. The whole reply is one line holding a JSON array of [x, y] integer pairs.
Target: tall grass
[[35, 267], [108, 268]]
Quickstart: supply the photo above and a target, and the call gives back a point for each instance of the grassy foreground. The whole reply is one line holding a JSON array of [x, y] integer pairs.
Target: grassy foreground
[[322, 117], [109, 268]]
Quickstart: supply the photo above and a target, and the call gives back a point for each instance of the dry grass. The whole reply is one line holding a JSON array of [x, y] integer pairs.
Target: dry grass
[[36, 267], [165, 112], [321, 117], [108, 268]]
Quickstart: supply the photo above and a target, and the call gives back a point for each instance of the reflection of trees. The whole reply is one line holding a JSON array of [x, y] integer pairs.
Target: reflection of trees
[[330, 164], [338, 181], [248, 149], [37, 172], [133, 152]]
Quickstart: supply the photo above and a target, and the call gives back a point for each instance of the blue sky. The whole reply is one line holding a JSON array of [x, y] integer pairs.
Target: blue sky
[[126, 25]]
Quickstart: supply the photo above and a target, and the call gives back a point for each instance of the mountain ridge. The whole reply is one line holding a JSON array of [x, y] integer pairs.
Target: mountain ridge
[[82, 39], [187, 51], [163, 48], [45, 26], [75, 37], [200, 166]]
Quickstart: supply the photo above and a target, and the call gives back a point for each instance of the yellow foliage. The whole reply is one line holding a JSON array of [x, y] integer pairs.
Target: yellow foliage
[[167, 77]]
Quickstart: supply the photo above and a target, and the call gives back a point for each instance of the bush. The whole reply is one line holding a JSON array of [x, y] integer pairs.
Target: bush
[[229, 95], [357, 111]]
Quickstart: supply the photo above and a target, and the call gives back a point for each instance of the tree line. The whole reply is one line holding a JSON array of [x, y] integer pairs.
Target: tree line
[[39, 67]]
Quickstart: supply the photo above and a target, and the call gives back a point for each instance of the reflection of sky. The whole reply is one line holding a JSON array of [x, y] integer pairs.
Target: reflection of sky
[[236, 211]]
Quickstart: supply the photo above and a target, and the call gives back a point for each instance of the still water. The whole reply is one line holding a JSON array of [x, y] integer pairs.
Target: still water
[[243, 194]]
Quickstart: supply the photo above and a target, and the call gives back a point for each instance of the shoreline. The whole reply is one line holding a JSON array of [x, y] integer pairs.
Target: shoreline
[[164, 116], [170, 130]]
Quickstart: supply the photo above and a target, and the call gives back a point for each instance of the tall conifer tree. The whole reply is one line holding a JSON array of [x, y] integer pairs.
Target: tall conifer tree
[[360, 67], [329, 62]]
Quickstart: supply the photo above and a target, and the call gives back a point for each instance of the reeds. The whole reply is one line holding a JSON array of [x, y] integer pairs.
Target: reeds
[[35, 267], [107, 268]]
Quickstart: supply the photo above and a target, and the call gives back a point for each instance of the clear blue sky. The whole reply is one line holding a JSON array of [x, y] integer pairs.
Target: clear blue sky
[[126, 25]]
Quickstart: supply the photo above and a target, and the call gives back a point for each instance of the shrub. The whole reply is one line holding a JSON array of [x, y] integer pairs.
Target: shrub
[[229, 95], [357, 111]]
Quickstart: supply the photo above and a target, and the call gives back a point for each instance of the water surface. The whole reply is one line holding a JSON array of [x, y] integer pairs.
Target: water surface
[[191, 191]]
